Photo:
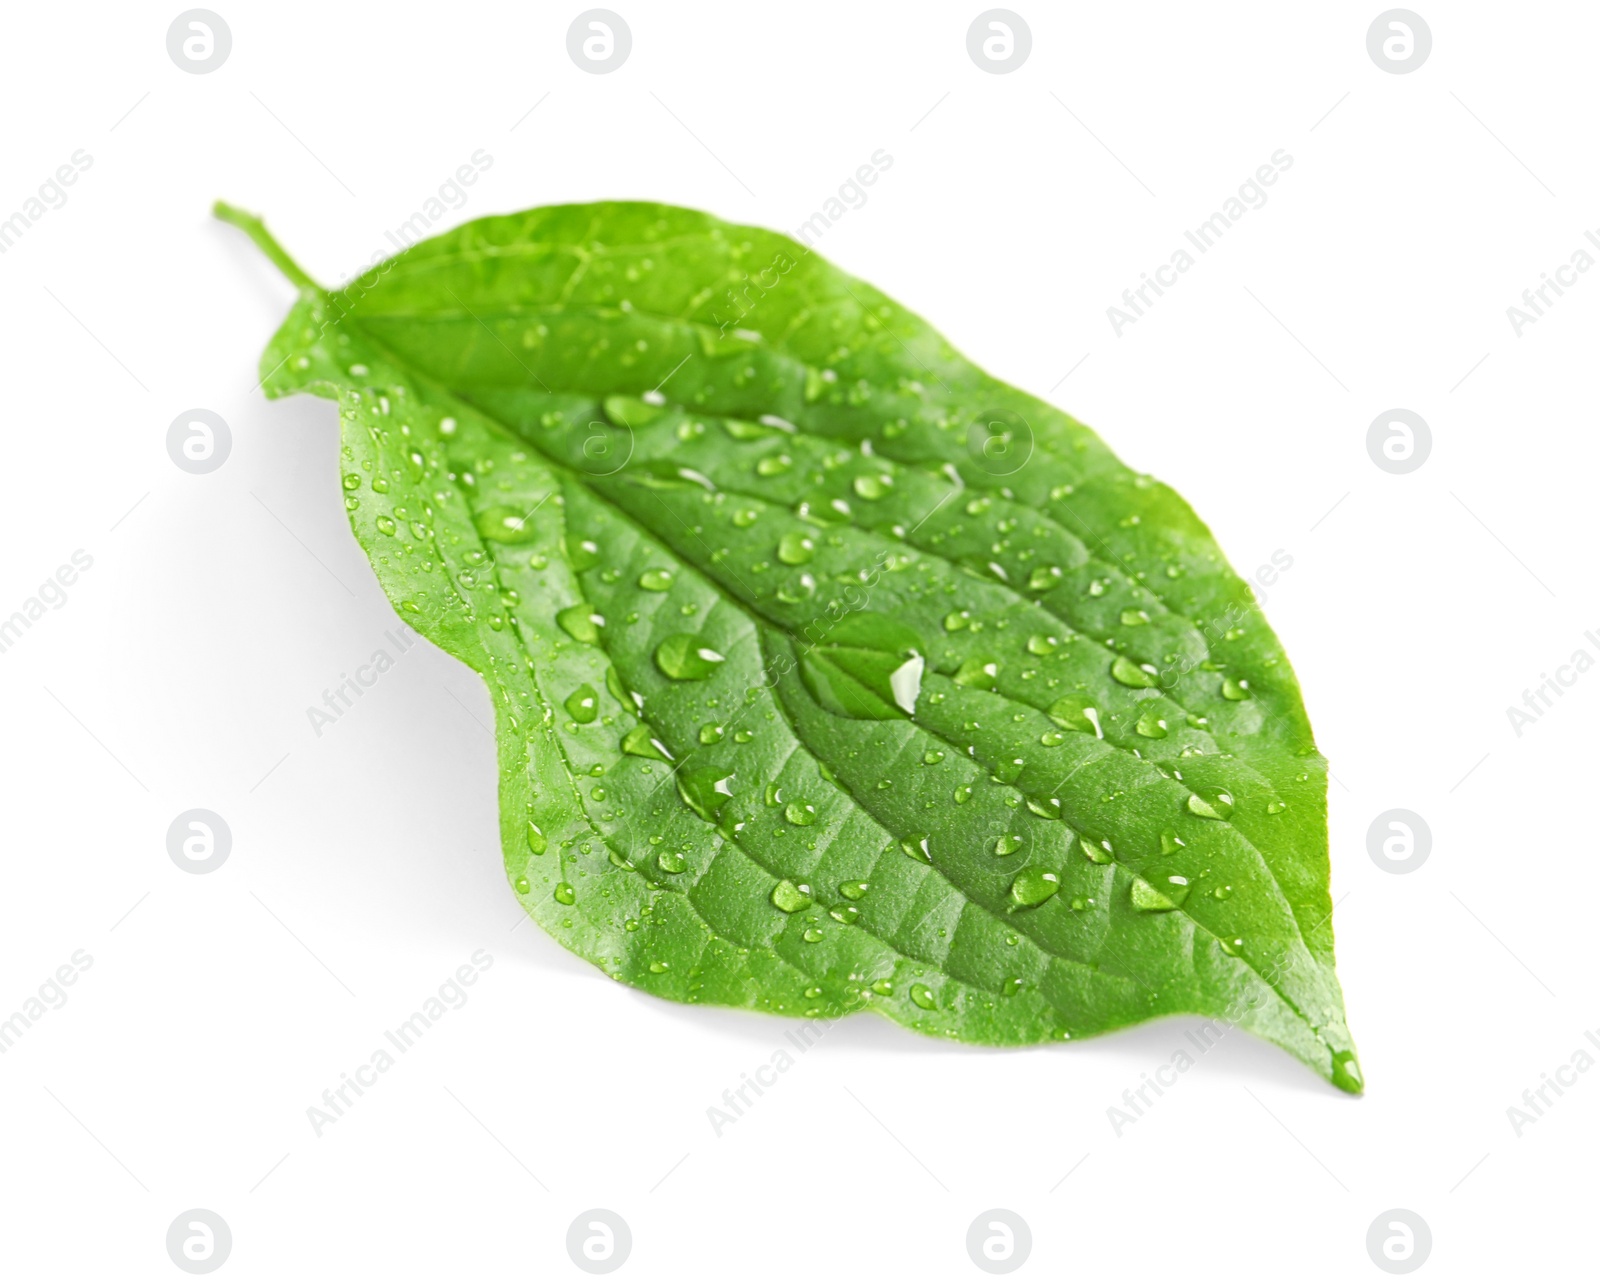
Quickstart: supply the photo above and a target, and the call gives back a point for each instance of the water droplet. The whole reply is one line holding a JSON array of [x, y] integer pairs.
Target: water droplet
[[1100, 853], [385, 525], [1050, 739], [873, 485], [1074, 715], [1347, 1072], [711, 733], [846, 914], [791, 898], [1152, 725], [1219, 808], [1132, 617], [962, 793], [957, 620], [933, 757], [1008, 771], [1044, 578], [685, 658], [744, 517], [882, 987], [522, 885], [1277, 807], [1131, 674], [658, 967], [922, 996], [537, 843], [1042, 644], [672, 862], [565, 894], [583, 705], [581, 622], [852, 891], [772, 465], [1170, 842], [979, 673], [641, 742], [811, 935], [1034, 886], [1011, 987], [1222, 891], [800, 813], [657, 580], [1007, 843], [796, 548], [1235, 690], [506, 525], [1159, 893], [1049, 808], [707, 790], [916, 847], [631, 412]]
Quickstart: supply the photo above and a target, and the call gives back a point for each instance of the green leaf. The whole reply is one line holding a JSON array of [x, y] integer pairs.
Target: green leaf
[[829, 672]]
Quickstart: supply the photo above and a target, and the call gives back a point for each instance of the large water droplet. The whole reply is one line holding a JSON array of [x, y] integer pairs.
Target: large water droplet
[[641, 742], [791, 898], [507, 525], [796, 548], [1219, 808], [707, 790], [686, 658], [1034, 886], [1347, 1072], [1076, 716], [1159, 893], [583, 705], [980, 673], [1130, 674], [581, 622], [1152, 724], [800, 813]]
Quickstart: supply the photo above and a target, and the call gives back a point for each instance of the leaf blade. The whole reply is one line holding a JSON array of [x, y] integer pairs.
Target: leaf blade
[[795, 455]]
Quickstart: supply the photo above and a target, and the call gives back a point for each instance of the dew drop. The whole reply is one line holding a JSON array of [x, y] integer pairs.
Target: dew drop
[[791, 898], [685, 658], [1159, 893], [581, 622], [796, 548], [800, 813], [506, 525], [1034, 886], [1131, 674], [583, 705]]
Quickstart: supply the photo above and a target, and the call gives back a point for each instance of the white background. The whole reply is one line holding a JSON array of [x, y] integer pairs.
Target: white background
[[365, 866]]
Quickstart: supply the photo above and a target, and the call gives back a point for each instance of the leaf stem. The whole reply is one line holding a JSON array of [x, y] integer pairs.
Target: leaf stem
[[252, 226]]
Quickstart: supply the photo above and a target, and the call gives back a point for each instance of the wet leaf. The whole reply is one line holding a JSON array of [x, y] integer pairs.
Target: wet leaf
[[999, 745]]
